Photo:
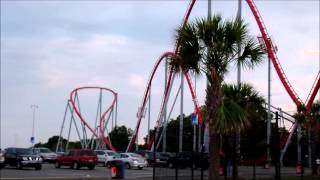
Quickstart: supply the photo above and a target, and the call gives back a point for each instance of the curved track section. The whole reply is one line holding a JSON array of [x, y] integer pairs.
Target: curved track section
[[284, 142], [313, 92], [103, 138], [168, 55], [272, 54]]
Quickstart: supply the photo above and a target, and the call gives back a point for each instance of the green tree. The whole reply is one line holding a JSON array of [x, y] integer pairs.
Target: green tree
[[172, 136], [211, 46], [119, 137], [241, 106]]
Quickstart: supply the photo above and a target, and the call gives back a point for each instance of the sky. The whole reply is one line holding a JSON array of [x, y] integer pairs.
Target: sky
[[49, 48]]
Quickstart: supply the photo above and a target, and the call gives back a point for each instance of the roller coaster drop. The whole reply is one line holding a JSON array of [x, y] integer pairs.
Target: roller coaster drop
[[271, 54], [98, 132]]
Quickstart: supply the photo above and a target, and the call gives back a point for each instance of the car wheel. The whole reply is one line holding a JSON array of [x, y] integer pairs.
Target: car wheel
[[38, 167], [57, 164], [127, 165], [75, 165], [19, 165], [140, 168], [108, 165], [91, 167], [170, 165]]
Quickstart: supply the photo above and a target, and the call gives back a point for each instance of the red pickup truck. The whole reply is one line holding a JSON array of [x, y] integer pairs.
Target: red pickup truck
[[77, 158]]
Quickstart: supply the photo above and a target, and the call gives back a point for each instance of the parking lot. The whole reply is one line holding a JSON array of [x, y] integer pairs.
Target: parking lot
[[48, 171], [99, 173]]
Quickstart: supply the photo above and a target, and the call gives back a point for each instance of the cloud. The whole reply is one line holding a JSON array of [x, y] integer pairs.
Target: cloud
[[311, 53], [137, 82]]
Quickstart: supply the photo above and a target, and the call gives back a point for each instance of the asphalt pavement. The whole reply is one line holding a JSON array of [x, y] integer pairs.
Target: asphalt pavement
[[49, 172]]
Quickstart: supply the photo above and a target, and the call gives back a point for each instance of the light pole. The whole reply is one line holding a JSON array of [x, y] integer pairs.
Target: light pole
[[34, 107]]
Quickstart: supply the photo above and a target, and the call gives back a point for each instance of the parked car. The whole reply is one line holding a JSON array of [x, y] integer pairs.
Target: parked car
[[22, 157], [133, 160], [159, 160], [164, 158], [1, 159], [46, 154], [105, 156], [77, 158], [141, 152], [189, 159]]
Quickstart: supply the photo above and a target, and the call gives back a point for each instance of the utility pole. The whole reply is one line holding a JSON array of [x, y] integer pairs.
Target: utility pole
[[33, 107]]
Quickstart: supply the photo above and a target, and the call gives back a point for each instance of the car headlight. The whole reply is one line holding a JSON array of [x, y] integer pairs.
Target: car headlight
[[25, 158], [135, 162]]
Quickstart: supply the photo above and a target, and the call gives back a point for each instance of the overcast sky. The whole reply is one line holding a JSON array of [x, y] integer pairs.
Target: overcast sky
[[49, 48]]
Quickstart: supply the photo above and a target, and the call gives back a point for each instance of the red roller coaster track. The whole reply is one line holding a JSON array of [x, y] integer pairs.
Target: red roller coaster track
[[283, 78], [102, 119], [146, 93], [271, 54]]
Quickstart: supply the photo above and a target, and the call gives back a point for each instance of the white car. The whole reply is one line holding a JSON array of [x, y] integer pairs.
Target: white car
[[46, 154], [1, 159], [104, 156], [133, 160]]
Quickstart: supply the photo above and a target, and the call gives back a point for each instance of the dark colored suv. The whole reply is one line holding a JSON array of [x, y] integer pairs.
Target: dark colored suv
[[77, 158], [189, 159], [22, 157]]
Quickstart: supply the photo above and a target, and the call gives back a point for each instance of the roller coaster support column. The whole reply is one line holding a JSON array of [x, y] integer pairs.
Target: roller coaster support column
[[181, 114], [149, 116], [164, 139], [238, 134], [194, 145], [298, 144], [269, 113], [278, 149]]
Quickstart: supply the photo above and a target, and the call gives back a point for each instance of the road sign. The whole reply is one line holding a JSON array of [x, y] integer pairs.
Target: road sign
[[32, 140], [194, 119]]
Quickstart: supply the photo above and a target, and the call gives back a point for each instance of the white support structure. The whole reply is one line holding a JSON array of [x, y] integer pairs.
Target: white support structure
[[181, 115]]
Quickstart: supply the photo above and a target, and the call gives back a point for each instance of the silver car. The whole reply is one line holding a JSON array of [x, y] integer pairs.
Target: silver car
[[105, 156], [46, 154], [131, 160]]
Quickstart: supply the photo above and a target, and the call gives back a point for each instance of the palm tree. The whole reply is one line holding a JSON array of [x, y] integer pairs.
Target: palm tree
[[211, 46], [241, 106]]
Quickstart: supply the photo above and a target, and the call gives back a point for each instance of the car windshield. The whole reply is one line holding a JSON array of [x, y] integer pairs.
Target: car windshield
[[24, 151], [136, 155], [150, 155], [87, 153], [116, 155], [111, 153], [45, 151]]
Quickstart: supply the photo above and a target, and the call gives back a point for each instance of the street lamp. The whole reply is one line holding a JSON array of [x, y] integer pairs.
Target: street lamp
[[34, 107]]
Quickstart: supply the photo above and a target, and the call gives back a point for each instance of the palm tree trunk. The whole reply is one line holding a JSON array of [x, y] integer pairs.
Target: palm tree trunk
[[235, 158], [214, 150], [213, 101]]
